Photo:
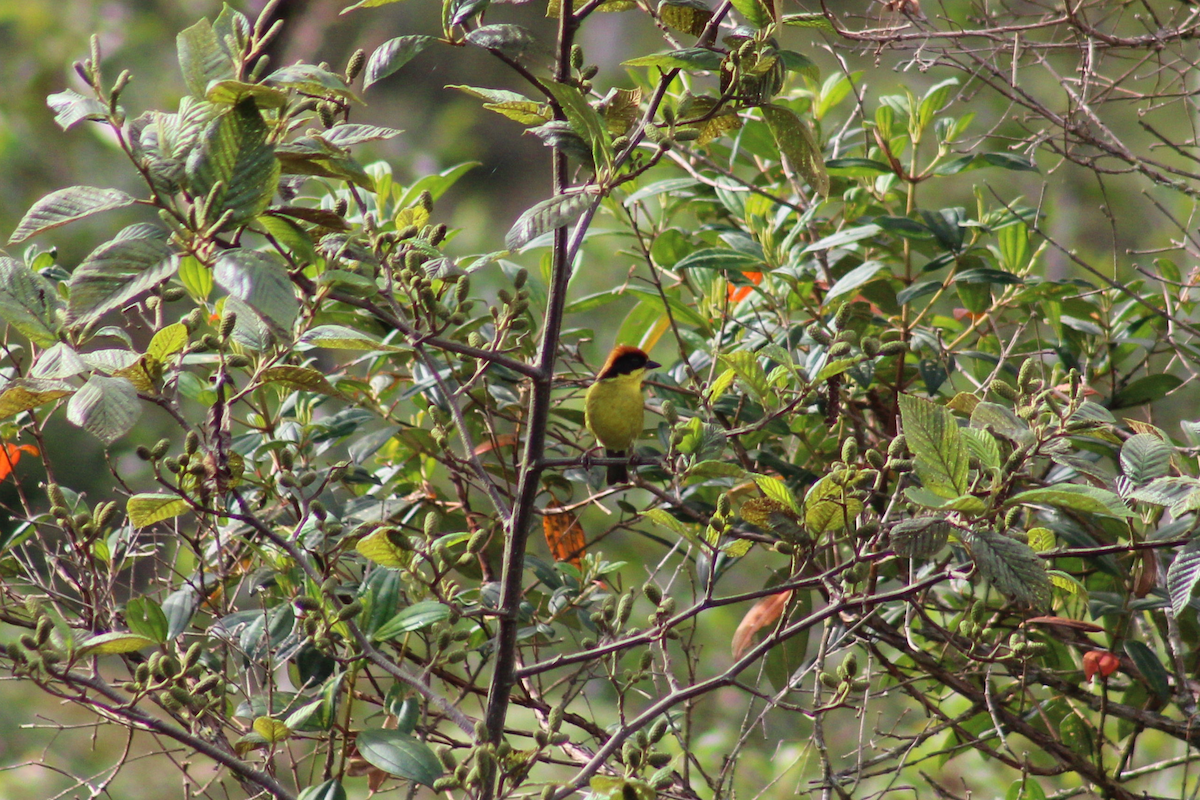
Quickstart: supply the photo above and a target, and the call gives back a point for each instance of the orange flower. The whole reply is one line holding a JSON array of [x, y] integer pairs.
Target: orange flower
[[737, 294], [11, 454], [1099, 661]]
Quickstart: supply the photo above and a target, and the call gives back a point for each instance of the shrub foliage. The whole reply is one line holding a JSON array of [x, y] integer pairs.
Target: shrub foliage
[[883, 437]]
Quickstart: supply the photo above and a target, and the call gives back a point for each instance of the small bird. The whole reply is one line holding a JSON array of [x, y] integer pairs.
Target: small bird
[[613, 408]]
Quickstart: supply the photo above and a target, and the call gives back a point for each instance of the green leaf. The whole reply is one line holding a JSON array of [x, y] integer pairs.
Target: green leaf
[[339, 337], [513, 41], [70, 108], [115, 273], [746, 365], [689, 58], [664, 519], [330, 789], [721, 384], [852, 280], [392, 55], [67, 205], [235, 166], [544, 217], [306, 379], [1151, 668], [1000, 419], [105, 407], [857, 167], [1145, 390], [147, 509], [983, 446], [416, 617], [28, 302], [1040, 539], [798, 62], [938, 448], [843, 237], [312, 80], [827, 508], [1077, 734], [525, 112], [271, 730], [1145, 457], [935, 97], [1012, 242], [168, 341], [808, 20], [1011, 566], [686, 16], [706, 470], [399, 754], [721, 258], [367, 4], [755, 12], [196, 278], [1010, 161], [379, 547], [1084, 499], [179, 608], [230, 93], [1182, 576], [202, 58], [260, 281], [107, 644], [585, 121], [798, 143], [145, 617], [22, 394], [777, 490], [920, 537], [1025, 789]]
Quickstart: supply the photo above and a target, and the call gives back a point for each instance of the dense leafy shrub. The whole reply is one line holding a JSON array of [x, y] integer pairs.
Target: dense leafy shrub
[[882, 433]]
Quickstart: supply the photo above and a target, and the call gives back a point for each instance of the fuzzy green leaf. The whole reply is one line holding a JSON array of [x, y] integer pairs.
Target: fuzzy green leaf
[[941, 454]]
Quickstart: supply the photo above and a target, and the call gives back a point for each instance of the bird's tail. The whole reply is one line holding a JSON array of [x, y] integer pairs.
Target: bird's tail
[[617, 473]]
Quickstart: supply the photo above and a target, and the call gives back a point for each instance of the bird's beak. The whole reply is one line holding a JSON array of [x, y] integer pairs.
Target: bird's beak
[[652, 364]]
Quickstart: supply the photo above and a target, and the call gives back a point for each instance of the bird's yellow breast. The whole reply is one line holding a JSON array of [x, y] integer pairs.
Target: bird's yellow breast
[[613, 410]]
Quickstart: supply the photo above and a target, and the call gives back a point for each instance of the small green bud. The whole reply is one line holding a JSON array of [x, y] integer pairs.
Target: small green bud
[[438, 234], [173, 293], [238, 361], [897, 447], [818, 334], [349, 610], [849, 450], [624, 608], [842, 317], [355, 66], [228, 321], [871, 346], [191, 442], [652, 592], [893, 349], [840, 350], [306, 604], [144, 453]]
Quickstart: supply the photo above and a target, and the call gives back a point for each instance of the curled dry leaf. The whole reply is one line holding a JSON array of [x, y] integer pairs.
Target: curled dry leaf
[[564, 536], [766, 612]]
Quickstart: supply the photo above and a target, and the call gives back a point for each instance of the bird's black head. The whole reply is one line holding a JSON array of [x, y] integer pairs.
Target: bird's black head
[[624, 360]]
